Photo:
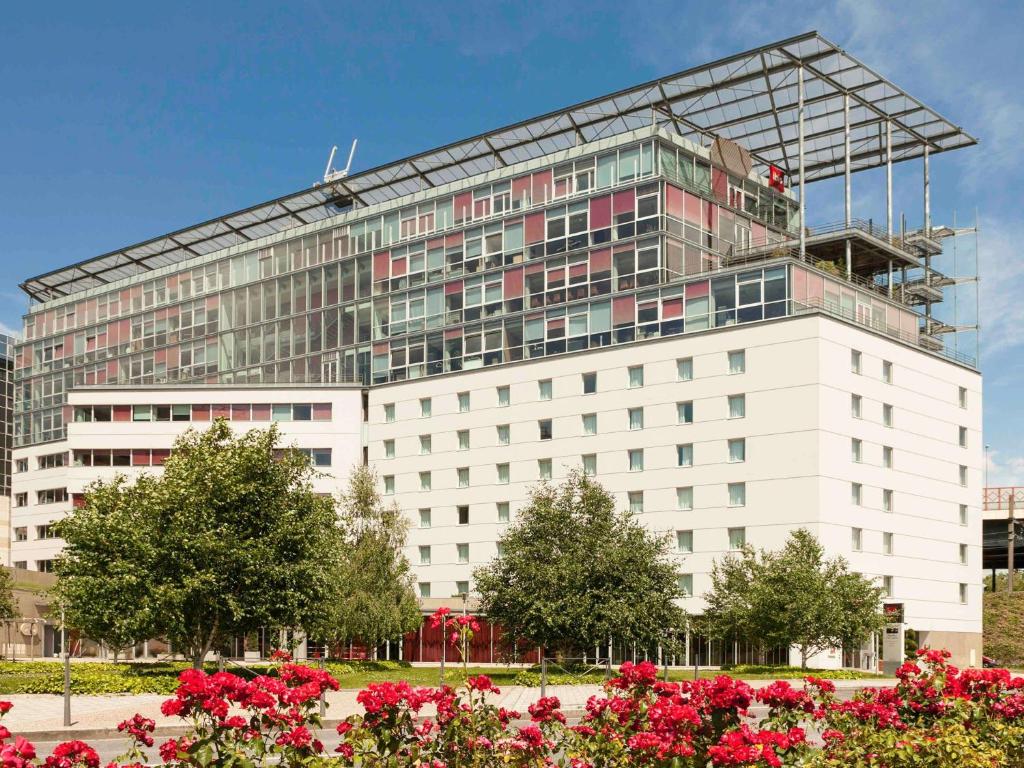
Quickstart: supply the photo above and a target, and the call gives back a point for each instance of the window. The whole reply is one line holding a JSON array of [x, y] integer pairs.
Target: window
[[463, 402], [856, 449], [426, 481], [887, 587], [463, 474], [684, 412], [684, 369], [504, 397], [183, 411], [856, 493], [544, 469], [319, 457], [21, 564], [544, 429], [887, 414], [544, 389], [963, 594], [685, 583], [389, 449], [424, 518], [503, 512], [887, 500], [502, 474], [737, 361], [463, 511], [684, 498], [963, 437], [737, 449], [737, 406], [887, 456], [21, 465], [589, 423], [145, 413], [886, 543], [737, 538], [424, 589], [684, 455], [425, 555], [636, 460], [463, 552], [636, 376], [963, 514], [44, 566], [389, 413], [425, 444], [463, 437], [52, 496], [857, 539], [855, 361], [855, 403], [425, 407], [504, 435], [963, 397], [462, 587], [963, 475], [53, 460], [589, 383], [636, 418], [963, 554], [21, 499], [21, 533], [589, 463], [636, 502], [887, 372], [737, 494], [684, 541]]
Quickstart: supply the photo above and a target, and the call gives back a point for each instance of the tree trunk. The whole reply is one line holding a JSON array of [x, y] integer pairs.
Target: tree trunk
[[803, 657]]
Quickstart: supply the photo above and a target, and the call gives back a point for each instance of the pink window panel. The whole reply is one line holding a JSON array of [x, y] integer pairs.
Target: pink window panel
[[534, 228], [122, 413], [578, 270], [624, 201], [321, 411], [381, 265], [696, 290], [463, 205], [623, 310], [555, 325], [521, 187], [453, 333], [66, 413], [172, 281], [450, 241], [799, 285], [512, 283], [140, 457], [124, 330], [212, 302], [78, 500], [160, 456], [221, 411], [200, 413], [758, 234], [160, 356], [398, 267], [674, 198], [69, 344], [112, 370], [671, 308], [381, 348], [126, 299], [437, 242], [241, 412], [692, 208], [542, 185], [535, 267], [261, 411], [601, 261], [710, 218], [453, 287], [481, 208], [90, 344], [601, 212], [719, 184], [556, 275]]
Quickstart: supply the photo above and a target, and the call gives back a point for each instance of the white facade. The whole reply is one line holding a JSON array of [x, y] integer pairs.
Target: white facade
[[33, 548], [798, 468]]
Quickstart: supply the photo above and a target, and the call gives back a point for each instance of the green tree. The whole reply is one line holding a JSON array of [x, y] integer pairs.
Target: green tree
[[8, 605], [792, 597], [375, 601], [574, 572], [230, 538]]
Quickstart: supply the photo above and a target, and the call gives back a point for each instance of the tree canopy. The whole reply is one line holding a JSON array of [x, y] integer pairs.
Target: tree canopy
[[230, 538], [793, 597], [574, 572]]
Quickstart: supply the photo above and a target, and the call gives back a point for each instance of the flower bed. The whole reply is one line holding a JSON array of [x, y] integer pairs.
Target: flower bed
[[936, 715]]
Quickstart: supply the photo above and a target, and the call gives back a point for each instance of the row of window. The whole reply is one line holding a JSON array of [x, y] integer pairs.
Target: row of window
[[737, 540], [43, 566], [47, 496], [42, 532], [685, 584], [856, 360], [46, 461], [204, 412]]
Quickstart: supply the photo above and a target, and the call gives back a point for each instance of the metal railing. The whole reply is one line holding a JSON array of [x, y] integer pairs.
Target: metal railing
[[756, 255], [867, 226], [998, 497]]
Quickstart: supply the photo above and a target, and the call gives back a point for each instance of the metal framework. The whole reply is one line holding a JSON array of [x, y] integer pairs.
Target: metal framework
[[802, 104]]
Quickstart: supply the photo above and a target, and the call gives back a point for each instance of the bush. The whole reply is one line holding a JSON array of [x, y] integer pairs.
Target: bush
[[1003, 619], [794, 673]]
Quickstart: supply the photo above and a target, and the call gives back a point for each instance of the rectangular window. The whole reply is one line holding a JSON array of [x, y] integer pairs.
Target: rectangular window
[[321, 457], [389, 413], [856, 494], [142, 413], [424, 589], [887, 414], [684, 455], [737, 361], [684, 498], [856, 450], [463, 474], [463, 438], [544, 429], [463, 513], [503, 474], [737, 450], [963, 397], [462, 587], [684, 369], [389, 485], [52, 460], [685, 583], [463, 551], [684, 541], [636, 502], [855, 403], [463, 402], [963, 554], [589, 423], [963, 437], [544, 389], [589, 383], [504, 397], [857, 539], [684, 412], [888, 590], [504, 434], [636, 376], [963, 475], [636, 418], [183, 412], [963, 594], [737, 406], [589, 464], [737, 494], [425, 445], [389, 449], [887, 500], [887, 372], [887, 456], [52, 496], [636, 460], [21, 500], [855, 361], [44, 566], [737, 538], [426, 481], [21, 533], [503, 512], [963, 514], [886, 543], [544, 469], [424, 555], [424, 518], [425, 407], [21, 465]]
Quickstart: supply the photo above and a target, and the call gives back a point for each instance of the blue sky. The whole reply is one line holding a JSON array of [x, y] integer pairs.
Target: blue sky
[[122, 121]]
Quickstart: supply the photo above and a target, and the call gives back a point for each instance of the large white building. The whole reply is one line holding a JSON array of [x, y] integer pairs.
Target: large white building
[[626, 286]]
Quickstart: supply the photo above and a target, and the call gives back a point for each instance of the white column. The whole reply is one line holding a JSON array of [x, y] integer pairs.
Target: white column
[[800, 152], [846, 180], [927, 197], [888, 178]]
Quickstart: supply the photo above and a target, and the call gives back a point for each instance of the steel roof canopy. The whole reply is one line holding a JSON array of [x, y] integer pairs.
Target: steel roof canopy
[[750, 98]]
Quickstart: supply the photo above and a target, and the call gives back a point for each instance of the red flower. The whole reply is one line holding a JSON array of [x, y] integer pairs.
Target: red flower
[[73, 754], [280, 655], [5, 707], [481, 683], [545, 710]]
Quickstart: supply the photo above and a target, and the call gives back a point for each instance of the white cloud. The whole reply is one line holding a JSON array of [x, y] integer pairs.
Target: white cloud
[[1002, 471]]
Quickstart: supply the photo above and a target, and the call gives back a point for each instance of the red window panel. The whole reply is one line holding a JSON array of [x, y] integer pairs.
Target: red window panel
[[601, 261], [513, 283], [521, 187], [758, 234], [578, 270], [601, 212], [173, 356], [719, 185], [66, 413], [453, 333], [212, 302], [534, 228], [381, 348], [542, 183], [710, 217], [671, 308], [261, 411], [160, 356], [623, 310], [556, 327], [398, 267], [624, 201], [692, 203], [172, 281], [674, 204], [450, 241], [321, 411], [698, 289], [200, 413], [78, 500], [160, 456], [140, 457], [221, 411], [437, 242], [69, 345], [481, 208], [112, 370], [463, 205], [241, 412], [90, 344], [122, 413], [381, 265], [453, 287]]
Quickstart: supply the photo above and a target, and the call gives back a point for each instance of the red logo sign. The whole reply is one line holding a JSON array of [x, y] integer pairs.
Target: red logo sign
[[776, 179]]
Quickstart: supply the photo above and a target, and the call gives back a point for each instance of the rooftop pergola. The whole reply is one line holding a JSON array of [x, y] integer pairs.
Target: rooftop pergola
[[801, 104]]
